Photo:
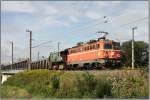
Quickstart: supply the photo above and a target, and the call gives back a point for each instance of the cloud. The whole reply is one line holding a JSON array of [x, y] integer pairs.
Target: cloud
[[50, 10], [17, 6], [92, 15], [74, 19], [109, 3], [52, 22], [10, 29]]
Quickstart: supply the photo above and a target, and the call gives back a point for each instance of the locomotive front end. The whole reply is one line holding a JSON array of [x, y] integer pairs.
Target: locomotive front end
[[112, 54]]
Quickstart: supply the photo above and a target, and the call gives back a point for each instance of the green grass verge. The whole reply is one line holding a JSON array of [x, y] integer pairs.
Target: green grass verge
[[77, 84]]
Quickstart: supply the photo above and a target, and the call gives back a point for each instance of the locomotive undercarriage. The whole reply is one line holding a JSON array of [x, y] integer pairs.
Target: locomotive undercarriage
[[96, 64]]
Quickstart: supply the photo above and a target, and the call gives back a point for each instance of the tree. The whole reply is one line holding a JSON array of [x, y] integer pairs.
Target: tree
[[140, 53]]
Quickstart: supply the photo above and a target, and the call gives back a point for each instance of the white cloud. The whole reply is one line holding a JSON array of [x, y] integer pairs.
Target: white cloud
[[7, 29], [92, 15], [50, 10], [52, 22], [17, 6], [74, 19], [108, 3]]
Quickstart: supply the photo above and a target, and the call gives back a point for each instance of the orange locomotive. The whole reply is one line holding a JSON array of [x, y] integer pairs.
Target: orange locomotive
[[94, 54]]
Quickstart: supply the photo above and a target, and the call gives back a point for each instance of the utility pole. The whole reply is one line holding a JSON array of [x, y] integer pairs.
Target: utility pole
[[38, 56], [30, 59], [12, 56], [0, 45], [58, 48], [133, 60]]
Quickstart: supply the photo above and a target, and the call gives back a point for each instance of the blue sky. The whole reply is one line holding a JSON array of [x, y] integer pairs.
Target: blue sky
[[68, 22]]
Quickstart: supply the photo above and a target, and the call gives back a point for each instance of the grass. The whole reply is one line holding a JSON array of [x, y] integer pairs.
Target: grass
[[13, 92], [77, 84]]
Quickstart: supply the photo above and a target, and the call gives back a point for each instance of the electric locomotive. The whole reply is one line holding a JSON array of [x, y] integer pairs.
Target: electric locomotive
[[94, 54]]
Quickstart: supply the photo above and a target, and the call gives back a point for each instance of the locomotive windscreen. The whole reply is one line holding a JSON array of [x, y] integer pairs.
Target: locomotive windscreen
[[107, 46]]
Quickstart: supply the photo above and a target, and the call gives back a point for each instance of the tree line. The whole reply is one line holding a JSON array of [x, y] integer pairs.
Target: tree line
[[141, 53]]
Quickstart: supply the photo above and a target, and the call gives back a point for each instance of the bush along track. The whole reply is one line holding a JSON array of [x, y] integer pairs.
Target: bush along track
[[79, 84]]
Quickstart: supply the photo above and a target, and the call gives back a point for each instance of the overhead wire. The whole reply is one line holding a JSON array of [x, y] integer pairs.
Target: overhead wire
[[89, 26], [122, 25], [41, 44]]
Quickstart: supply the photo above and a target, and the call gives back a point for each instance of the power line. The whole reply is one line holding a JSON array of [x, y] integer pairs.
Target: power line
[[10, 56], [137, 20], [89, 26], [41, 44], [45, 46], [122, 25]]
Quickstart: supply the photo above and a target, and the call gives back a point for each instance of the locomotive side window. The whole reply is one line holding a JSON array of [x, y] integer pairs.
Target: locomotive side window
[[78, 50], [97, 46], [84, 48], [88, 47], [107, 46], [91, 47]]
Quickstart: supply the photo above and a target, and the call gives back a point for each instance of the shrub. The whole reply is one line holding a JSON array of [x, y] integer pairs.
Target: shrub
[[130, 87], [13, 92], [77, 84], [85, 84], [55, 82], [103, 88]]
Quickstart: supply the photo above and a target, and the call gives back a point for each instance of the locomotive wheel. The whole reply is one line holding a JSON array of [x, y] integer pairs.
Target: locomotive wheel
[[96, 65], [87, 66], [75, 66]]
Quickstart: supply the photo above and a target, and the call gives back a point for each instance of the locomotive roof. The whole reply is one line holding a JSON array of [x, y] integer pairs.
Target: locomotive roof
[[88, 43]]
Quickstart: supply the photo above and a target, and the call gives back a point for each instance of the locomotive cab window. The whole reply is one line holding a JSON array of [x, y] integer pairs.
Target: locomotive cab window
[[116, 46], [107, 46]]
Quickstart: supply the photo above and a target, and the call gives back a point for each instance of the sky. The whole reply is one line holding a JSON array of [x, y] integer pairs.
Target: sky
[[68, 22]]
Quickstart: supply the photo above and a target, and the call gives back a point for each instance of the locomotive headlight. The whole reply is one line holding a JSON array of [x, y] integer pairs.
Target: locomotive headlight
[[99, 54], [112, 53]]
